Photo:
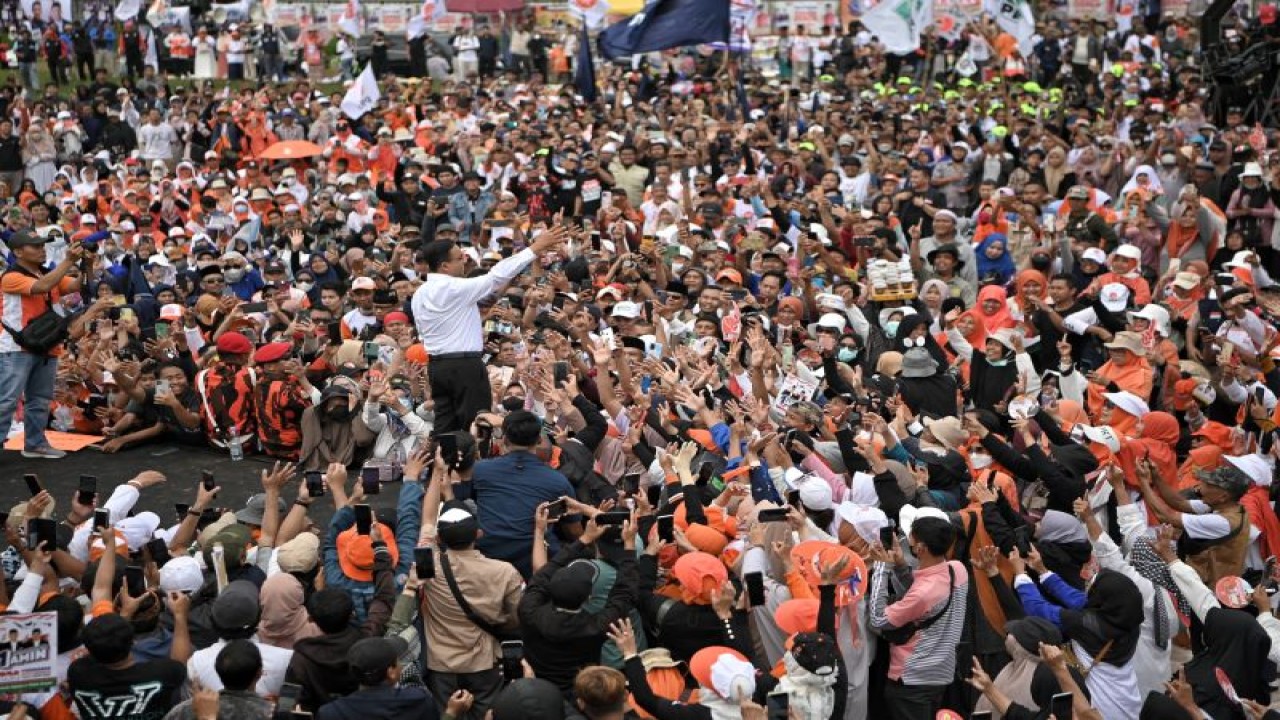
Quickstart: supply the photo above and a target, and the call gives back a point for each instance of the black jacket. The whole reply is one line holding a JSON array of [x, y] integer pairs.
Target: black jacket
[[557, 643], [382, 703]]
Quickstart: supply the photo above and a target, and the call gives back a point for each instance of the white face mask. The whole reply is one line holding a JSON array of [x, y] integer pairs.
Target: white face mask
[[677, 268], [305, 286], [233, 274], [980, 462]]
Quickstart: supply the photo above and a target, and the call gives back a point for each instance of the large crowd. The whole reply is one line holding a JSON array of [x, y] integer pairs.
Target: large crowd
[[834, 384]]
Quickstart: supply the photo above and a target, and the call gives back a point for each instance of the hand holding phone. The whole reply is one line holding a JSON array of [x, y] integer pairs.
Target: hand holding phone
[[424, 562], [370, 480], [364, 519]]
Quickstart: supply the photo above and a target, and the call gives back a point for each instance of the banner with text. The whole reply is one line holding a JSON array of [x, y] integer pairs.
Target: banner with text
[[28, 652]]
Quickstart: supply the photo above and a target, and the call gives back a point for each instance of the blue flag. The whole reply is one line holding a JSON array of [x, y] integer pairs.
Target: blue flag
[[664, 24], [584, 75]]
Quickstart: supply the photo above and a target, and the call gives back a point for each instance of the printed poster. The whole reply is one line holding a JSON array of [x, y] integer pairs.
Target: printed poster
[[392, 19], [794, 390], [28, 652], [1088, 9]]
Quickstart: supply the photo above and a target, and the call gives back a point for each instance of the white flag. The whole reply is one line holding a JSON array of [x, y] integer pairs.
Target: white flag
[[592, 11], [1015, 18], [897, 23], [352, 19], [432, 11], [363, 95], [128, 9]]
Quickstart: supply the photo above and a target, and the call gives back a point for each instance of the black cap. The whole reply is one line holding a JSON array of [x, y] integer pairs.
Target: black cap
[[370, 658], [21, 238], [571, 584], [529, 699], [457, 525]]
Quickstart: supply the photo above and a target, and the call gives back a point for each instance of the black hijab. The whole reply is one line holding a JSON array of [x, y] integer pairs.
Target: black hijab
[[1112, 613], [1235, 642]]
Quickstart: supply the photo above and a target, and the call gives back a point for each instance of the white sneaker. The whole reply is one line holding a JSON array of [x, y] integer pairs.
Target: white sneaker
[[46, 453]]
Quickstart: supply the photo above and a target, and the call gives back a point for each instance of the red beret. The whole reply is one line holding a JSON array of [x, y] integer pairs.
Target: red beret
[[235, 343], [272, 352]]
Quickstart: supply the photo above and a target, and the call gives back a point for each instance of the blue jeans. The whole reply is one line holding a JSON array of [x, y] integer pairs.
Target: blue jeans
[[31, 376]]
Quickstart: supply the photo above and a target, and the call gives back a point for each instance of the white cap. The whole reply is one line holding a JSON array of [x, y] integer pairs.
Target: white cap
[[1094, 254], [1133, 252], [1114, 296], [1104, 435], [1255, 466], [181, 574], [88, 219], [626, 309], [1157, 315], [815, 493], [1128, 402]]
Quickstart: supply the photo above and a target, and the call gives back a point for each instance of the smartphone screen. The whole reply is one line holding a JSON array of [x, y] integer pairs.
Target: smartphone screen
[[364, 519], [561, 371], [206, 479], [755, 588], [87, 490], [33, 484], [557, 509], [1061, 705], [159, 551], [288, 700], [180, 509], [512, 655], [369, 480], [162, 330], [614, 517], [135, 580], [778, 706], [886, 537], [425, 562], [448, 448], [631, 483], [101, 519], [335, 333], [315, 483], [667, 528], [253, 307], [767, 515], [33, 534]]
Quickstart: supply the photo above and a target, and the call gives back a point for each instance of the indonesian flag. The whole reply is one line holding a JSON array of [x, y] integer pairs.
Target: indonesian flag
[[350, 22], [432, 12]]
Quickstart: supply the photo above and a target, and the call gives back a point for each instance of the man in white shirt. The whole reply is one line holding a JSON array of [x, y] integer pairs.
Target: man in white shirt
[[235, 616], [448, 319], [467, 60], [156, 140]]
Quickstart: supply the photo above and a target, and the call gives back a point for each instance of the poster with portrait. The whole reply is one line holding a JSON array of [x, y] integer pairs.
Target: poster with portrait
[[794, 390], [28, 652], [39, 13]]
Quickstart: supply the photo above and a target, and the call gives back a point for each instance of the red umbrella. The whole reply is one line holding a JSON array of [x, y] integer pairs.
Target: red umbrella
[[291, 150], [484, 6]]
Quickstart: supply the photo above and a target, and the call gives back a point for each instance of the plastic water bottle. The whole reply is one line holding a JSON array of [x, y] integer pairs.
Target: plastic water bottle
[[235, 444]]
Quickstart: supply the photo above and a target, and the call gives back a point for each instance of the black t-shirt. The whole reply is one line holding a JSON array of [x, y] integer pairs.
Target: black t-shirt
[[143, 691], [592, 189]]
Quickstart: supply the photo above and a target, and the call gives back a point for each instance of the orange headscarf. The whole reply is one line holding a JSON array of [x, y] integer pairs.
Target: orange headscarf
[[1201, 459], [1001, 318], [1136, 377], [1024, 277], [699, 575]]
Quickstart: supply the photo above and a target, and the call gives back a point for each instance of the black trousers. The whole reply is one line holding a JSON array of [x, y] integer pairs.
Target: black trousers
[[483, 685], [913, 702], [460, 388]]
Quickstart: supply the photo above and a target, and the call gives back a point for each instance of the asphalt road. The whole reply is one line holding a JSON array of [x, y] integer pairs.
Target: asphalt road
[[181, 466]]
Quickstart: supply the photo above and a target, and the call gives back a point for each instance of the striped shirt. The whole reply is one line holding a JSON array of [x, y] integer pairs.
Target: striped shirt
[[929, 658]]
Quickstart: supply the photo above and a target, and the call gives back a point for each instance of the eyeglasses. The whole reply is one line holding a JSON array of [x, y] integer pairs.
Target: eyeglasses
[[214, 280]]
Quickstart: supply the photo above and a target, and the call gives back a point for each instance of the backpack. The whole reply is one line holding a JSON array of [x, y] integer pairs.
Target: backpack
[[43, 333]]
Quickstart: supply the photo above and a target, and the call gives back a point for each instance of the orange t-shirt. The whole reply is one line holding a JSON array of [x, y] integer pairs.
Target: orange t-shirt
[[20, 307]]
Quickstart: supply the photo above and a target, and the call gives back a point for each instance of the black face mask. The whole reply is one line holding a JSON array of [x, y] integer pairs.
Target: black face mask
[[341, 413], [513, 403]]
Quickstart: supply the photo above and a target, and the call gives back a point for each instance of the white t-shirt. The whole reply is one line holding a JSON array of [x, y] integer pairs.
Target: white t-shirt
[[275, 661], [235, 51]]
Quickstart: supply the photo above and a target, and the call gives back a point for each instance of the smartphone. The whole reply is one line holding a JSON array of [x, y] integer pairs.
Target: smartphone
[[88, 489], [135, 580], [887, 536], [1259, 394], [159, 551], [250, 308], [557, 509], [335, 333], [162, 386], [315, 483], [1023, 542], [630, 484], [755, 588], [288, 699], [448, 448], [646, 382], [42, 531], [558, 302], [767, 515], [425, 561], [1269, 576], [206, 479], [369, 480], [162, 330], [561, 373], [101, 519], [370, 351], [180, 509], [980, 715], [667, 528], [1060, 705], [512, 657], [778, 706], [33, 484], [364, 519], [301, 715], [613, 517]]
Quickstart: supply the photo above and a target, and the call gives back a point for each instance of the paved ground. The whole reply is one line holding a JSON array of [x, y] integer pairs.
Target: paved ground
[[181, 466]]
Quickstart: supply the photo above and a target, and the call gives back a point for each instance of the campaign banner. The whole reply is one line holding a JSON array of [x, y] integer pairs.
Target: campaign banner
[[292, 15], [812, 15], [1089, 9], [28, 652], [951, 16], [392, 19], [793, 390]]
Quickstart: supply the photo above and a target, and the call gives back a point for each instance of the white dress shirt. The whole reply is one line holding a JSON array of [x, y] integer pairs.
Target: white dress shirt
[[445, 310], [275, 661]]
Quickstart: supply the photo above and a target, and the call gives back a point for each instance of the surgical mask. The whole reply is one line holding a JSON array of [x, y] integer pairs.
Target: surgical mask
[[233, 275], [891, 328], [847, 354], [513, 403], [979, 461], [885, 147], [998, 363], [677, 268], [406, 403], [305, 286]]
